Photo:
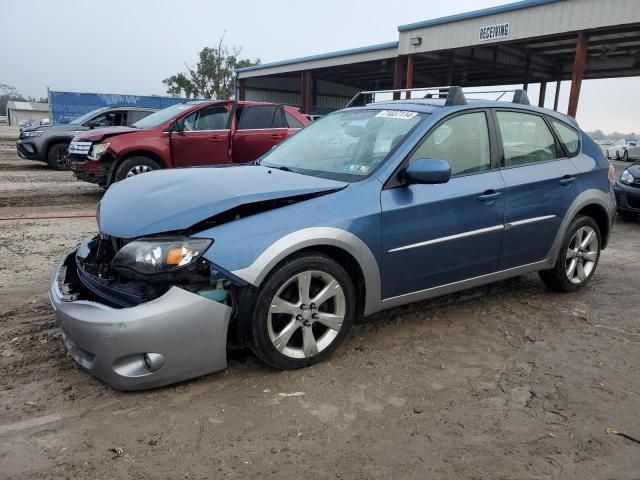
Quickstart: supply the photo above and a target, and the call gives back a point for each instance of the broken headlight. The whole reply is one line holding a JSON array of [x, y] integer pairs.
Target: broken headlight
[[97, 149], [149, 256]]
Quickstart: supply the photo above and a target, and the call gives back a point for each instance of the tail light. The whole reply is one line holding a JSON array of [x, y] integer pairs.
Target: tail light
[[611, 172]]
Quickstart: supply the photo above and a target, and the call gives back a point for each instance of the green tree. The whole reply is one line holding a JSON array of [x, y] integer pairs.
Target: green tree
[[212, 76]]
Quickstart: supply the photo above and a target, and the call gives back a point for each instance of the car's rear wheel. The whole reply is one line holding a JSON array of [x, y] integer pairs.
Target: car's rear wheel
[[617, 155], [303, 312], [135, 166], [58, 156], [625, 156], [578, 257]]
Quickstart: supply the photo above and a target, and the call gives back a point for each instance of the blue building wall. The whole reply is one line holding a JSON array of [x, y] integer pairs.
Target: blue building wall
[[66, 106]]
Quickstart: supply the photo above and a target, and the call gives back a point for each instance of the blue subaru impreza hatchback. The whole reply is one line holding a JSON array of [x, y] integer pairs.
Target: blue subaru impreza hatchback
[[374, 206]]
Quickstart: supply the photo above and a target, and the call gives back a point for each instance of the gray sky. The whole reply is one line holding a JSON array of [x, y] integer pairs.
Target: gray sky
[[129, 46]]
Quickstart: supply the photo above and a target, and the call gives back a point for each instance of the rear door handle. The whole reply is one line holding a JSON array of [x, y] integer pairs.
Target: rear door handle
[[277, 136], [216, 139], [567, 180], [489, 196]]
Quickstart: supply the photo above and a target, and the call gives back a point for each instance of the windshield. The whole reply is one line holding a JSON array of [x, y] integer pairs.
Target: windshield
[[86, 116], [346, 145], [158, 118]]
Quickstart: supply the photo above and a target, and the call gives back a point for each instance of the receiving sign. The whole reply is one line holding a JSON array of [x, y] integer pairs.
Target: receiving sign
[[494, 32]]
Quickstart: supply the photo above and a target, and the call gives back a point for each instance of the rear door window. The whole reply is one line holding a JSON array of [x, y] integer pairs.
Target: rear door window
[[526, 139], [256, 117], [568, 136], [115, 118], [293, 121], [135, 115]]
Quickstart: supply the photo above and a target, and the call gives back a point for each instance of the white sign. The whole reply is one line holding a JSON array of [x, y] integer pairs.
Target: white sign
[[494, 32], [398, 114]]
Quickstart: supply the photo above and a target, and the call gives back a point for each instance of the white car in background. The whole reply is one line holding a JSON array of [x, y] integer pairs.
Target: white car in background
[[624, 150]]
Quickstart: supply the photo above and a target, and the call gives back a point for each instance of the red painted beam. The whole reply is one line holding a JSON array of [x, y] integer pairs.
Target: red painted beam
[[579, 66], [398, 74], [543, 93], [305, 92], [409, 83]]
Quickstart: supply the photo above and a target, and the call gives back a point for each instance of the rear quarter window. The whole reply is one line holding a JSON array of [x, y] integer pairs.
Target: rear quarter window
[[293, 121], [569, 138]]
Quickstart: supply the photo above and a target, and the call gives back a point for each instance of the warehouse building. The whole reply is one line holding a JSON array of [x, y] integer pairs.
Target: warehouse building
[[531, 41], [20, 111]]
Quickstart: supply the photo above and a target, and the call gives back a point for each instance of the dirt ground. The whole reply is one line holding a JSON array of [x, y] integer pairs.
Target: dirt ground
[[508, 381]]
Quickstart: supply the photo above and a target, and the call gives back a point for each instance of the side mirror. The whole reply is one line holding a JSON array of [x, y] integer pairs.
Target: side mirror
[[173, 127], [424, 170]]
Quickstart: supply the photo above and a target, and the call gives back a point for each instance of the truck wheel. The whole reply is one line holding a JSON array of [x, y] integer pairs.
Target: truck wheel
[[578, 257], [303, 311], [58, 156], [135, 166]]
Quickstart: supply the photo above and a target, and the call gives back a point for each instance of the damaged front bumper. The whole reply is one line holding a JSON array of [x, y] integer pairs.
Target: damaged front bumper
[[175, 337]]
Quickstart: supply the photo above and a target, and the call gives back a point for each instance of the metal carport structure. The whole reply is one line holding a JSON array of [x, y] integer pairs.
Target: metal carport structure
[[531, 41]]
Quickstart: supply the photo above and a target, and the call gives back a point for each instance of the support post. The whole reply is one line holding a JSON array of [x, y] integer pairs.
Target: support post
[[579, 65], [543, 93], [555, 101], [305, 91], [409, 83], [525, 85], [450, 69], [398, 74], [242, 89]]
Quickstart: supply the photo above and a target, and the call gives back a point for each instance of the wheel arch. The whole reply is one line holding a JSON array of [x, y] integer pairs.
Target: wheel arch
[[595, 203], [344, 247], [53, 142], [133, 153]]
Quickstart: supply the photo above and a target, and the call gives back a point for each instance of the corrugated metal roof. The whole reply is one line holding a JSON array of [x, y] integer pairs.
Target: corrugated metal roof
[[509, 7], [323, 56], [38, 107]]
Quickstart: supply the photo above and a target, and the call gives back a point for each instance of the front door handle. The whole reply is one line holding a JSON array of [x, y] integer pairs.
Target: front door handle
[[277, 136], [567, 180], [489, 196]]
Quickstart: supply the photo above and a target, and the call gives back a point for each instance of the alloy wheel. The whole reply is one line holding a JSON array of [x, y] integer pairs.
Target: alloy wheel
[[306, 314], [62, 158], [138, 169], [582, 255]]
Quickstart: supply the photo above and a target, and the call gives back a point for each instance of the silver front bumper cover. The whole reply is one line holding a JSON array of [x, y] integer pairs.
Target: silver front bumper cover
[[185, 333]]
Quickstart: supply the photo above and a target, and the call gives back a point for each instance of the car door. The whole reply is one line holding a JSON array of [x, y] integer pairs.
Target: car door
[[433, 235], [258, 129], [203, 138], [541, 185]]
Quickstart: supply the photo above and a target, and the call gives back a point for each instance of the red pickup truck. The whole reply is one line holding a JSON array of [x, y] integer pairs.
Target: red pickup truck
[[183, 135]]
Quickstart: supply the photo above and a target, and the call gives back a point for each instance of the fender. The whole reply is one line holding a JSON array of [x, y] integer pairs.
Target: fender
[[588, 197], [319, 236]]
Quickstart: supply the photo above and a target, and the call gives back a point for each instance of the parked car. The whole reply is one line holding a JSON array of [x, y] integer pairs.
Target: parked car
[[45, 122], [368, 208], [25, 123], [51, 143], [627, 190], [624, 150], [312, 117], [183, 135]]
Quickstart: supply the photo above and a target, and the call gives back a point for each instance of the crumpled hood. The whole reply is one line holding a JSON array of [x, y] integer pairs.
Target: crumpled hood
[[168, 200], [98, 134]]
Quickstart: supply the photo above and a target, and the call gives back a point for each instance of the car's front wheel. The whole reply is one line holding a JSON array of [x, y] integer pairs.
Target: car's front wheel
[[617, 155], [303, 312], [58, 157], [625, 156], [135, 166], [578, 257]]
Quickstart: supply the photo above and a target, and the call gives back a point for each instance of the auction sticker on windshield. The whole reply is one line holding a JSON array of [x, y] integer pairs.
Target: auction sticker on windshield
[[399, 114]]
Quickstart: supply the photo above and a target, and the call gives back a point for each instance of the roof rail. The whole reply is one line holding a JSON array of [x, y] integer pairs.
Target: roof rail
[[453, 95]]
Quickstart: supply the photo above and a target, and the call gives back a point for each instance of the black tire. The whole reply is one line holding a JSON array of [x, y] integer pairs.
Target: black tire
[[144, 163], [262, 344], [557, 278], [625, 156], [617, 155], [58, 156]]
